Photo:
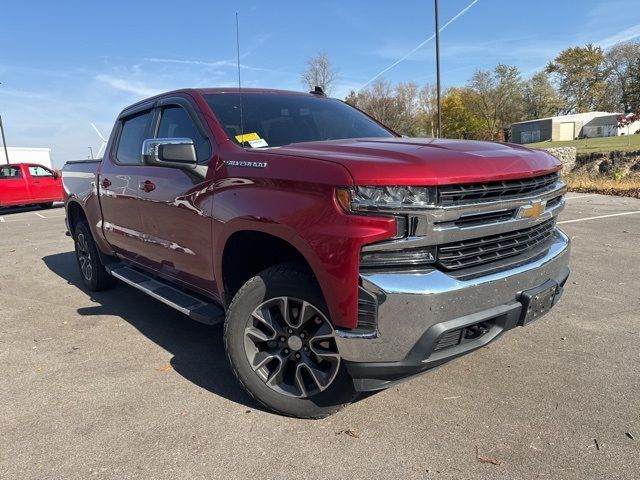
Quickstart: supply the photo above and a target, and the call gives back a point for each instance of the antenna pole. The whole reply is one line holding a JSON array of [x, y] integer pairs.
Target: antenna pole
[[4, 141], [439, 130], [239, 80]]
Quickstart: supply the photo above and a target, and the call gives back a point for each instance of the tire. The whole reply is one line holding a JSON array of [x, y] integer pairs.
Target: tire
[[94, 275], [46, 205], [292, 365]]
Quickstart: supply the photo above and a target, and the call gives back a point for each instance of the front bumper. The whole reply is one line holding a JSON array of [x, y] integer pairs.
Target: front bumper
[[416, 310]]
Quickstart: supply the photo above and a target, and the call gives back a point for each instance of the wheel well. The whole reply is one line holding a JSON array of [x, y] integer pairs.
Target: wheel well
[[75, 214], [247, 253]]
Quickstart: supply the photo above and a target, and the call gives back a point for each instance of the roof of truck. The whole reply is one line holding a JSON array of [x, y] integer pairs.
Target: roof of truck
[[208, 91]]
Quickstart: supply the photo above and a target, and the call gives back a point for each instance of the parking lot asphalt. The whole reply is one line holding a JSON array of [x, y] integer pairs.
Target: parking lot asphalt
[[117, 385]]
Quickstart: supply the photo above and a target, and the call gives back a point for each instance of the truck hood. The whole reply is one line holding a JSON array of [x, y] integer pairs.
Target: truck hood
[[425, 161]]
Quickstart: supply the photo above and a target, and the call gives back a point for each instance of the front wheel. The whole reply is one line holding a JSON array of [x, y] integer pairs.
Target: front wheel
[[281, 345]]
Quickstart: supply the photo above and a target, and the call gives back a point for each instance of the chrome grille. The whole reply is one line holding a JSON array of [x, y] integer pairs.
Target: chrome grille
[[488, 218], [463, 193], [478, 251]]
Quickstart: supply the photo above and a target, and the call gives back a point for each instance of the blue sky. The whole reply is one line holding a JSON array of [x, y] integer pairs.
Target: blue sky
[[65, 64]]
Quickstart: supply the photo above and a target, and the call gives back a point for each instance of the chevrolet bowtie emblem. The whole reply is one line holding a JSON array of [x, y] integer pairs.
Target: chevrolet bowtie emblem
[[532, 211]]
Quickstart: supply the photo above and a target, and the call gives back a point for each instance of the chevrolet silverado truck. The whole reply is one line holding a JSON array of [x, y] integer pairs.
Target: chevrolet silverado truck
[[340, 256]]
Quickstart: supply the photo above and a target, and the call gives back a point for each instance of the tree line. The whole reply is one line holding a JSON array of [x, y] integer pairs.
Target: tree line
[[579, 79]]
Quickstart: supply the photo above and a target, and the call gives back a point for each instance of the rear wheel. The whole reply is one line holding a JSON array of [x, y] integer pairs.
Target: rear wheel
[[281, 345], [92, 271]]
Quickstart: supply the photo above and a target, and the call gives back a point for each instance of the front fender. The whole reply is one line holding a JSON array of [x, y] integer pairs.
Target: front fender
[[307, 217]]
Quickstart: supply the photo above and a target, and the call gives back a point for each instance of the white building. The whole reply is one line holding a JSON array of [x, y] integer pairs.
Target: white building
[[41, 156], [570, 127]]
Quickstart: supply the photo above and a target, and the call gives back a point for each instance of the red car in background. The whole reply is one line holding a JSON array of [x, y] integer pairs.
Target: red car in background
[[29, 184]]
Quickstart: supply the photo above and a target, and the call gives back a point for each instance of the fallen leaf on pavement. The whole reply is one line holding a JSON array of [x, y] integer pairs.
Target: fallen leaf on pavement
[[165, 368], [351, 432], [491, 460]]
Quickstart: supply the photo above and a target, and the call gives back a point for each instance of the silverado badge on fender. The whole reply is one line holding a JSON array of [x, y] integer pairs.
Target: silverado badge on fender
[[236, 163]]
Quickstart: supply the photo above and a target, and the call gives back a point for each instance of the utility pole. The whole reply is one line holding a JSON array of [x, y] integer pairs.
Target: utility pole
[[439, 130], [4, 141], [90, 153]]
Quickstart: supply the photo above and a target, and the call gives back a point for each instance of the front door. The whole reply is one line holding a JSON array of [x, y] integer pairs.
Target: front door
[[44, 185], [119, 187], [175, 206]]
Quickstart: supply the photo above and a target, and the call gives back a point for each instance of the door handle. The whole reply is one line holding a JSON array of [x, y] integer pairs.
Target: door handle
[[147, 186], [106, 183]]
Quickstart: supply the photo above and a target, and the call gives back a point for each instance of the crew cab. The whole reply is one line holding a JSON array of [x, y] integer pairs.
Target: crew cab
[[29, 184], [339, 256]]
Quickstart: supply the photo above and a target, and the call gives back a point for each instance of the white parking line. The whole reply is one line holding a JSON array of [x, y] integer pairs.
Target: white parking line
[[599, 216], [1, 219], [579, 196], [39, 214]]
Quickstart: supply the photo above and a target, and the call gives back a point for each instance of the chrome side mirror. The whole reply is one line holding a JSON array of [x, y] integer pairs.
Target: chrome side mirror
[[169, 152]]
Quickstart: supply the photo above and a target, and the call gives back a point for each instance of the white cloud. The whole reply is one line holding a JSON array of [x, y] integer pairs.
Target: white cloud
[[200, 63], [129, 86], [623, 36], [231, 64], [420, 45]]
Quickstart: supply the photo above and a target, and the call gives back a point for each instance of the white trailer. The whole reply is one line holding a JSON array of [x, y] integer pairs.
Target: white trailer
[[41, 156]]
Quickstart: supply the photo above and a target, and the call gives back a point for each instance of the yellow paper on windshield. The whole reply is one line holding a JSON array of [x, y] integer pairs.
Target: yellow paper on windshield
[[247, 137]]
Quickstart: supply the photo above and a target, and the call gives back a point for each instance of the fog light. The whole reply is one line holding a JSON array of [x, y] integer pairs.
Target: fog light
[[396, 258]]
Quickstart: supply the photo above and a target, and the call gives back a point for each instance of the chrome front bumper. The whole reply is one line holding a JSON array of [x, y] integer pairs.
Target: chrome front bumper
[[412, 306]]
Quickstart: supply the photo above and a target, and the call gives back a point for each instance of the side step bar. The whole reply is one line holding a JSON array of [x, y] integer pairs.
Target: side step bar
[[196, 308]]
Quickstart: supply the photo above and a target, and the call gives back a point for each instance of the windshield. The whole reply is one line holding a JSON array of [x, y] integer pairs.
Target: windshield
[[273, 120]]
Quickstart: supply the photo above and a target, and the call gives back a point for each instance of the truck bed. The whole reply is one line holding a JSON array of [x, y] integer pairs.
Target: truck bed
[[79, 176]]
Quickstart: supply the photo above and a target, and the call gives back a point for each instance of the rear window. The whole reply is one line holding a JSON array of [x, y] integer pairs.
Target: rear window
[[273, 120], [8, 172]]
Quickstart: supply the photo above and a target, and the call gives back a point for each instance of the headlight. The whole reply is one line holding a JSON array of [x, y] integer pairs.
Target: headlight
[[394, 200], [384, 198]]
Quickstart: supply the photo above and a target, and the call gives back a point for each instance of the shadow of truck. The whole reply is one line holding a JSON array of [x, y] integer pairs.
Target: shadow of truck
[[198, 351]]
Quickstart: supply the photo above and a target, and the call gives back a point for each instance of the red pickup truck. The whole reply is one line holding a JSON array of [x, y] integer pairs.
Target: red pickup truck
[[29, 184], [340, 257]]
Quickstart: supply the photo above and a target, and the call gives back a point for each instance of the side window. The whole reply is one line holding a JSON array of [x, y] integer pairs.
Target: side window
[[10, 172], [37, 171], [177, 123], [134, 132]]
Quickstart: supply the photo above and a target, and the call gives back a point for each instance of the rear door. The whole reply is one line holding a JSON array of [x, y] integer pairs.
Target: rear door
[[119, 186], [175, 204], [44, 185], [13, 186]]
